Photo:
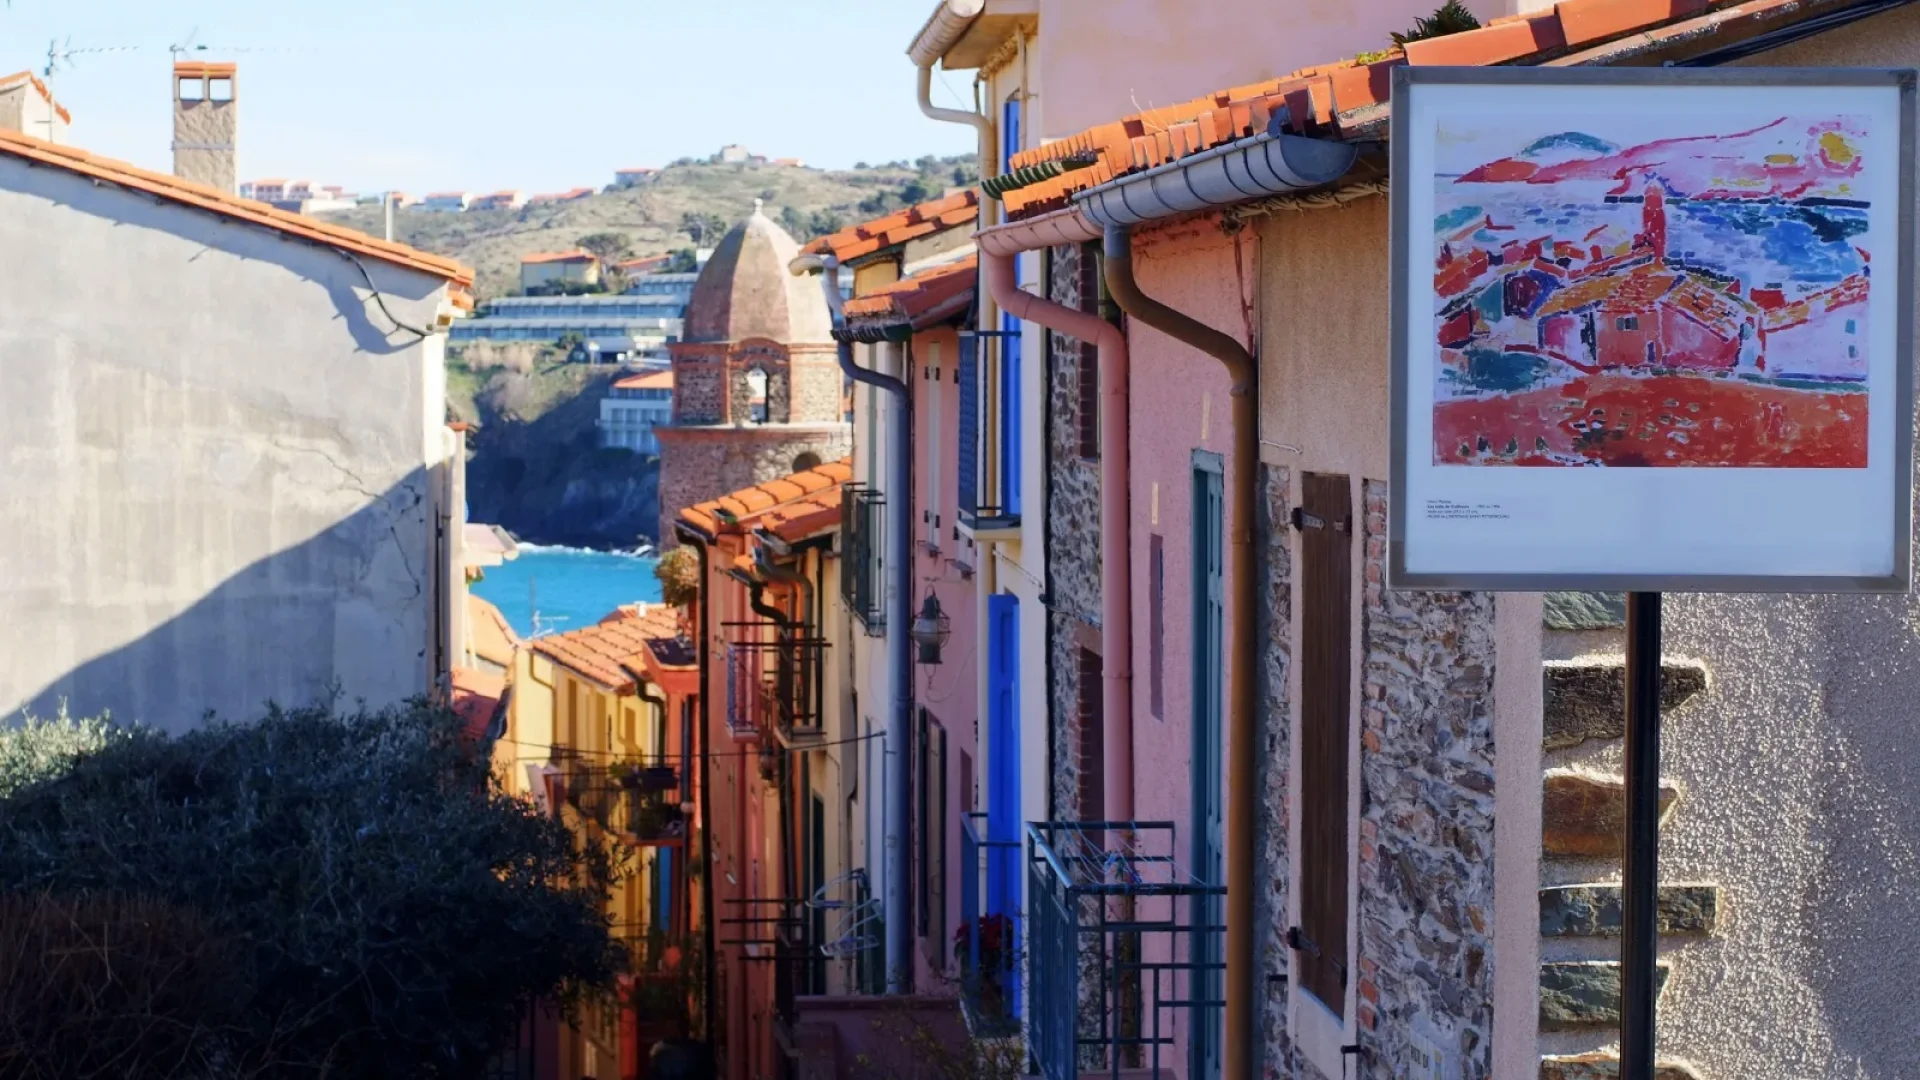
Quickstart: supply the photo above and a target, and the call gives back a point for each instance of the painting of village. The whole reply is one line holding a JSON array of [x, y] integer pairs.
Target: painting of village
[[1694, 299]]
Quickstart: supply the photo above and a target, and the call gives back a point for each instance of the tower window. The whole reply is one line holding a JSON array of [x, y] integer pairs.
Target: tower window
[[219, 89], [807, 460], [193, 89]]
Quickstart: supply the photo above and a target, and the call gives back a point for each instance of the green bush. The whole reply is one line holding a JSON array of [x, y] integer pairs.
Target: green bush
[[390, 908]]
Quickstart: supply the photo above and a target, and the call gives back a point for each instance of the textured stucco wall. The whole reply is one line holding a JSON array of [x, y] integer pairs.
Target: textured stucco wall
[[218, 462], [1101, 61], [198, 125]]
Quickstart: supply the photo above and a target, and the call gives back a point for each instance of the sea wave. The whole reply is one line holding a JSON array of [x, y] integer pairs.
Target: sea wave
[[643, 552]]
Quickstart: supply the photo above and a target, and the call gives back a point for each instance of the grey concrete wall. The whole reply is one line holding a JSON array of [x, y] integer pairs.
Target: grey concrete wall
[[218, 462]]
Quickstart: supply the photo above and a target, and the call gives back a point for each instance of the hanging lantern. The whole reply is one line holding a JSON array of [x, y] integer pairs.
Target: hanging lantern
[[931, 629]]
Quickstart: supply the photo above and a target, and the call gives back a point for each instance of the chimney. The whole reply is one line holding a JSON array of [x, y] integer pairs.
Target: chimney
[[205, 123]]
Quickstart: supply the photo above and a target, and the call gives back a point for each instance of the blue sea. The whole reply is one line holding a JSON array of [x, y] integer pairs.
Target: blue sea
[[567, 588]]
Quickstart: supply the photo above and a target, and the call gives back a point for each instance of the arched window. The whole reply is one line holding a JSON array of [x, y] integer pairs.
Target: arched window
[[757, 394], [807, 460]]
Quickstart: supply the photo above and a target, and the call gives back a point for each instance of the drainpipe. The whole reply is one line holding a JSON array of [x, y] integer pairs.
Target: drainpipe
[[700, 540], [783, 777], [1242, 719], [898, 617], [998, 251], [949, 21], [1271, 162]]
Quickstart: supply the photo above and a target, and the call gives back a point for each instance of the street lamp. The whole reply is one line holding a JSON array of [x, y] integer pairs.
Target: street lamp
[[931, 629]]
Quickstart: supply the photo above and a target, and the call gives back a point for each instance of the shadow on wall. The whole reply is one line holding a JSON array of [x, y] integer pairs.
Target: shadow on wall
[[351, 608]]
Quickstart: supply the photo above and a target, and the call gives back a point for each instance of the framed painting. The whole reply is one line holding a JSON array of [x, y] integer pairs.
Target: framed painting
[[1652, 329]]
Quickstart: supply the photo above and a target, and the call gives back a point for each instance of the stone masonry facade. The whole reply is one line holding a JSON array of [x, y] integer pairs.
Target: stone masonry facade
[[1073, 534], [698, 464], [1426, 819], [1276, 661]]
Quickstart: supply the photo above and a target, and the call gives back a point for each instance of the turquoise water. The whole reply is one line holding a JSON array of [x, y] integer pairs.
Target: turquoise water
[[571, 588]]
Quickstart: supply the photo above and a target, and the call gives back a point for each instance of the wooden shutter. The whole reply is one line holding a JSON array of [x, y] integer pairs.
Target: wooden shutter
[[1092, 739], [967, 437], [1325, 524]]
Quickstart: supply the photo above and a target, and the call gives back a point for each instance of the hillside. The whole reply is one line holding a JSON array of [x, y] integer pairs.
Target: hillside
[[810, 202]]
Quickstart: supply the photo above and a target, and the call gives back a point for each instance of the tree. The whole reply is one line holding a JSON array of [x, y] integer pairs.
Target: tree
[[684, 261], [608, 247], [704, 228], [822, 222], [794, 222], [381, 906]]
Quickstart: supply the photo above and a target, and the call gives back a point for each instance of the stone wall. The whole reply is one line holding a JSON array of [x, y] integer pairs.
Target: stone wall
[[1073, 533], [819, 388], [740, 372], [1426, 820], [698, 374], [1275, 871], [698, 464]]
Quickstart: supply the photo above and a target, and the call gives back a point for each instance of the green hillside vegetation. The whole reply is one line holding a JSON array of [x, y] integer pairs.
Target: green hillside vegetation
[[684, 204]]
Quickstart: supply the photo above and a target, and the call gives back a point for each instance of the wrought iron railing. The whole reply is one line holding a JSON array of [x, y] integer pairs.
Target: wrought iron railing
[[639, 801], [985, 943], [746, 712], [990, 433], [862, 543], [775, 682], [1125, 968]]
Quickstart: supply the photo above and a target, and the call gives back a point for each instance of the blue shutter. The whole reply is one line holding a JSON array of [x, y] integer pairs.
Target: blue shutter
[[1003, 767], [967, 439], [1010, 396]]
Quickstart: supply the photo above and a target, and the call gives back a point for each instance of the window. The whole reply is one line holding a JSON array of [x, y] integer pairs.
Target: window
[[930, 819], [219, 89], [1852, 327], [193, 89], [1090, 720], [1627, 322], [1326, 622], [1156, 626], [806, 460]]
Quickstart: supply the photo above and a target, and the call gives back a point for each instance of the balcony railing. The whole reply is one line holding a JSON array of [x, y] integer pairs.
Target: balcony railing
[[1126, 969], [984, 944], [639, 801], [989, 450], [862, 541], [775, 683]]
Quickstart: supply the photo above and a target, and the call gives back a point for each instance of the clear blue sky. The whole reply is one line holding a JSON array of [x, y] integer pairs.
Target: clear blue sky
[[541, 95]]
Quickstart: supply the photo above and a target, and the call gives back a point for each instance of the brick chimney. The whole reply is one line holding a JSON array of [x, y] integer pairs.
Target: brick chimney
[[205, 123]]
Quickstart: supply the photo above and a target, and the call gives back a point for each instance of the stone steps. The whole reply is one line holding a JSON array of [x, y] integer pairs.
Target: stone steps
[[1580, 994], [1606, 1067], [1574, 911]]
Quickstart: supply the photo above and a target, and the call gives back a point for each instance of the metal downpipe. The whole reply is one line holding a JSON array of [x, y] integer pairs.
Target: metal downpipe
[[699, 542], [898, 616], [1242, 612]]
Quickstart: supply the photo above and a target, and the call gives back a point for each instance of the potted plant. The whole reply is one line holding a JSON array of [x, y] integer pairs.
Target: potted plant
[[994, 959]]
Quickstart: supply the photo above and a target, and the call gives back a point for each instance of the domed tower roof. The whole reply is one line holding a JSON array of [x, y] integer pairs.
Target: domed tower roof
[[745, 290]]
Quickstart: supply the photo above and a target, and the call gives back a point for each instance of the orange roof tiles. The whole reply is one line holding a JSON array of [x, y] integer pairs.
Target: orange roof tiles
[[195, 69], [557, 256], [610, 652], [947, 212], [227, 204], [1349, 97], [651, 380], [922, 299], [818, 486], [491, 636], [476, 700]]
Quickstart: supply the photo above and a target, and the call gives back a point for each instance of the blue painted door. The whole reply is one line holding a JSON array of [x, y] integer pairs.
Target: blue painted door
[[1003, 767], [1209, 662], [1011, 403]]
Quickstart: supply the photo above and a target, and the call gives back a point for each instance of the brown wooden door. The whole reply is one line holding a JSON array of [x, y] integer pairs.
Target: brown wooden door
[[1325, 524]]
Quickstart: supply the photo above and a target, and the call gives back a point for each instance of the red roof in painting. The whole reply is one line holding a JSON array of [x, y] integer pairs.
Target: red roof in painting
[[1347, 98]]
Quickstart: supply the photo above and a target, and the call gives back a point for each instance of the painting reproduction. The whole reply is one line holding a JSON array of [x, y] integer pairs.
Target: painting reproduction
[[1667, 292]]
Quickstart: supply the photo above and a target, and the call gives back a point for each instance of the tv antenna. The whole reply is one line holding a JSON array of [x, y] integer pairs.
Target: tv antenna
[[60, 54]]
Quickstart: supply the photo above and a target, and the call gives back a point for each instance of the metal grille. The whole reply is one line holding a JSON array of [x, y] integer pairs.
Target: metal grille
[[984, 943], [990, 433], [862, 539]]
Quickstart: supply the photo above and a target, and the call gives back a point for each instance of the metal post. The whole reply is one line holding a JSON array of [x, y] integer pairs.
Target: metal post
[[386, 200], [1639, 938]]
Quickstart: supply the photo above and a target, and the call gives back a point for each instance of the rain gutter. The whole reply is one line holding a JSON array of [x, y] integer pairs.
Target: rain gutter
[[1259, 166], [1000, 248]]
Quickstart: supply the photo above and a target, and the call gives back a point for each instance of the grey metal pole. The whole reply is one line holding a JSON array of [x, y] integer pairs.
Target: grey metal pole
[[1639, 938], [386, 200]]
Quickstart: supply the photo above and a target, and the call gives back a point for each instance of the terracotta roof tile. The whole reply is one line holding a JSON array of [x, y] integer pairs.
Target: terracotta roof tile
[[922, 299], [229, 205], [476, 700], [937, 215], [610, 652], [651, 380], [195, 69], [1352, 97], [557, 256], [492, 636], [734, 511]]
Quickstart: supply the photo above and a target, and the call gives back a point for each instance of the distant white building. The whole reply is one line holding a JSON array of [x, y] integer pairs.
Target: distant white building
[[630, 177], [499, 200], [633, 407], [446, 202], [617, 329], [734, 154]]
